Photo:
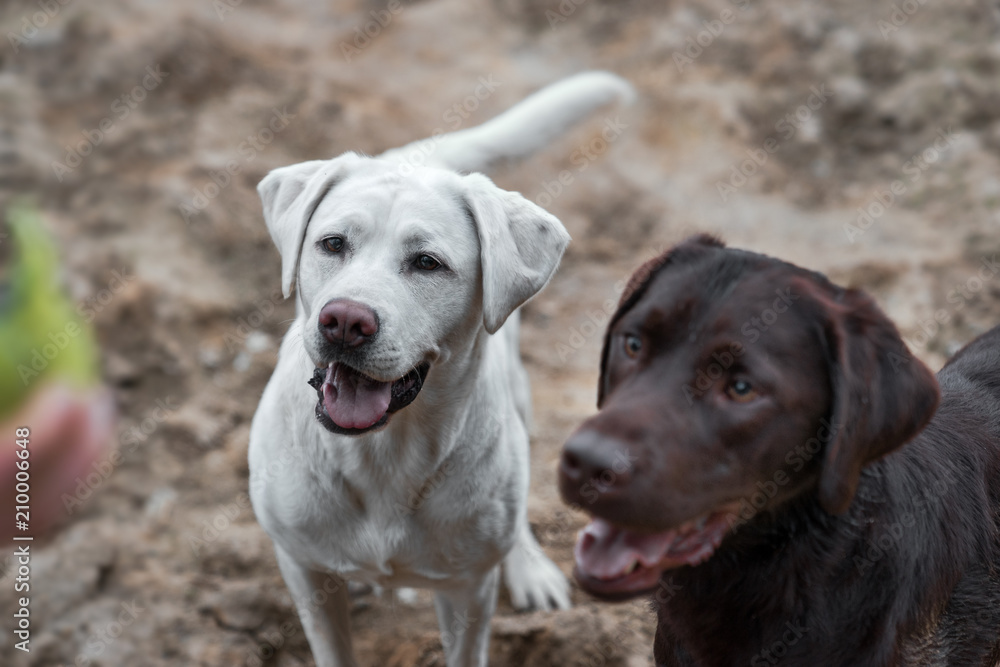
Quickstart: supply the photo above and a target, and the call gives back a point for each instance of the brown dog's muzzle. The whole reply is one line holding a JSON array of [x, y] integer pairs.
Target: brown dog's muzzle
[[592, 465]]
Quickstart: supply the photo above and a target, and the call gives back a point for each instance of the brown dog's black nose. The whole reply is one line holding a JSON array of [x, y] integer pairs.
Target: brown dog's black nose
[[589, 456], [346, 322]]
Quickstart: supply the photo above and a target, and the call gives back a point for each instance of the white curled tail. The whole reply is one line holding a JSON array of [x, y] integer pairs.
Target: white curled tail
[[520, 131]]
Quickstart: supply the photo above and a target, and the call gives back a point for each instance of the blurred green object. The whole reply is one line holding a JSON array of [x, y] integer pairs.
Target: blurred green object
[[41, 336]]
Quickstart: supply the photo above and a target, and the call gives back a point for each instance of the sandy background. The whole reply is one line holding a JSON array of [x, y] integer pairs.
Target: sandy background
[[165, 564]]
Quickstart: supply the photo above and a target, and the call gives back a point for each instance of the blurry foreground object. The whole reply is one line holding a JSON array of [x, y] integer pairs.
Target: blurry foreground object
[[49, 380]]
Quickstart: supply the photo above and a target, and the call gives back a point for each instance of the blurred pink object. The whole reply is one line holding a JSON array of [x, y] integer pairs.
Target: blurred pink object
[[69, 431]]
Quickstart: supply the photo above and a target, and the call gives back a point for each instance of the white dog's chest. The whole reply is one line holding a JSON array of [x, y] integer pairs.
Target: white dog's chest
[[397, 555], [436, 496], [391, 536]]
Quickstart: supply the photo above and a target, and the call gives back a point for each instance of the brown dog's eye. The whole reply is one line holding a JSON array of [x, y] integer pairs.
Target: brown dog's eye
[[333, 244], [741, 391], [427, 263], [633, 346]]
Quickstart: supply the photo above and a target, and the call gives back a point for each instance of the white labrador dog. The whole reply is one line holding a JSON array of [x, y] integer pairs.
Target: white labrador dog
[[391, 444]]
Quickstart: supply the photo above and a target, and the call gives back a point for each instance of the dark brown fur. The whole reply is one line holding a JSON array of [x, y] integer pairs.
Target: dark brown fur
[[881, 546]]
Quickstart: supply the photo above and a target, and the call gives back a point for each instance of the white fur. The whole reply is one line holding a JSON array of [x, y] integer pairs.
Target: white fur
[[435, 499], [523, 129]]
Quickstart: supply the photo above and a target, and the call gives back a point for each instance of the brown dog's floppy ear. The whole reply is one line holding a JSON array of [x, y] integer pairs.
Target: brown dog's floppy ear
[[882, 395], [636, 287]]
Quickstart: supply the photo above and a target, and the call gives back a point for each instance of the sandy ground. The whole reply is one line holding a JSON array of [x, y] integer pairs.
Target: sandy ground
[[772, 124]]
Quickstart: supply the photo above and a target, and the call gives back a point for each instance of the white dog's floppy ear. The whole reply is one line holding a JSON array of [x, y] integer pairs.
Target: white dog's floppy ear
[[520, 247], [290, 195]]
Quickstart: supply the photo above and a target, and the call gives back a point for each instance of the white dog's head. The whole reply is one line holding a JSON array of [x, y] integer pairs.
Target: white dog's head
[[397, 272]]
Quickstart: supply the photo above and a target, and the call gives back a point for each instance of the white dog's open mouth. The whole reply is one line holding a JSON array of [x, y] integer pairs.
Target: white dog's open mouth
[[351, 403]]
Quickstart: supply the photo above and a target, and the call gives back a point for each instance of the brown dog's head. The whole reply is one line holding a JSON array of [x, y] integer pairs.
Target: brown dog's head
[[730, 383]]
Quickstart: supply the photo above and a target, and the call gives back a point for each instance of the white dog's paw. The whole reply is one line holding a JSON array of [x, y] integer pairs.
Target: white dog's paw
[[534, 581]]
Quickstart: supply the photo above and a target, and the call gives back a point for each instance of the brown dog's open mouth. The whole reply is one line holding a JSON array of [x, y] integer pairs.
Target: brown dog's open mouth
[[616, 563], [351, 403]]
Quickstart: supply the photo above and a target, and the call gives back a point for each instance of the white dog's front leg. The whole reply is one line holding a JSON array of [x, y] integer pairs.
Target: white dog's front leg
[[324, 609], [464, 617]]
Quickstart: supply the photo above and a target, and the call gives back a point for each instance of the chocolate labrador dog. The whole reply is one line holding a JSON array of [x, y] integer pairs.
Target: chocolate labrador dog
[[772, 464]]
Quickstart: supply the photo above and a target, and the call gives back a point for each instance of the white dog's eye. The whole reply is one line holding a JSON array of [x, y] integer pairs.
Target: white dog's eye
[[333, 244], [426, 263]]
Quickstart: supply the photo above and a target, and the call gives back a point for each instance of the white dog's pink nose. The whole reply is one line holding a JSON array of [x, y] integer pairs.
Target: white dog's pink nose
[[348, 323]]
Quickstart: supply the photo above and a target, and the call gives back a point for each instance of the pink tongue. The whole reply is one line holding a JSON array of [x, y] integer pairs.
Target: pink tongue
[[354, 401], [604, 551]]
